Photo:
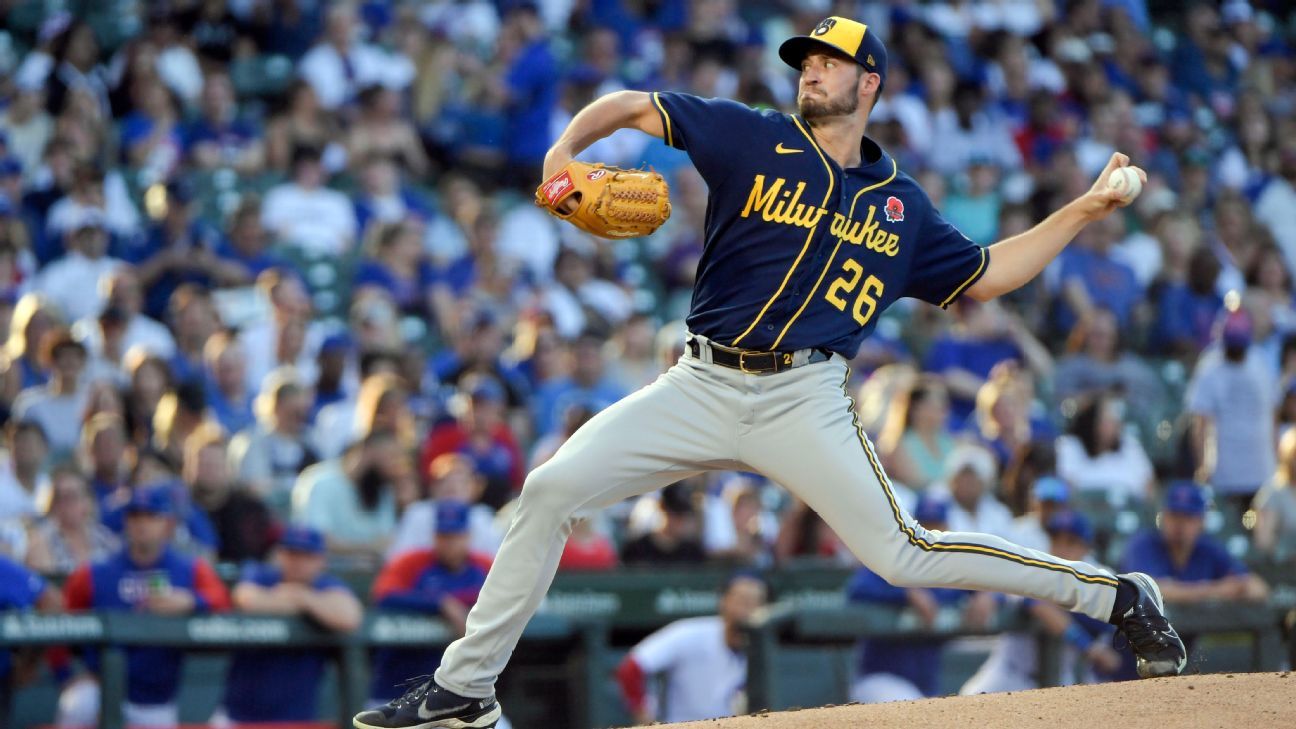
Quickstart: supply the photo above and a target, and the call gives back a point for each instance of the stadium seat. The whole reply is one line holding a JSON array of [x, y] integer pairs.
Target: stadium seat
[[261, 76]]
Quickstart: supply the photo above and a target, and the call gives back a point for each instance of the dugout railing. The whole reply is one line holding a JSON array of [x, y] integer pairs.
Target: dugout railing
[[111, 633], [587, 623], [1267, 627]]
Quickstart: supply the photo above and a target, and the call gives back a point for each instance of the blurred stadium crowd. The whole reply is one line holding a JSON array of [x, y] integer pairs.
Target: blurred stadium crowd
[[273, 262]]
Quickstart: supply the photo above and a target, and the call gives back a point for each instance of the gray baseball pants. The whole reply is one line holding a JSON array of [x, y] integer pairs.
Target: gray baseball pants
[[796, 427]]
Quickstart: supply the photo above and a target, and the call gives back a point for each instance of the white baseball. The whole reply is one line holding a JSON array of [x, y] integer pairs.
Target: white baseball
[[1125, 181]]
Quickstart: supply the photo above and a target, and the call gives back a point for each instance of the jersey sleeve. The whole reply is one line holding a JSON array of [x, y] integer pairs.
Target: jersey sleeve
[[210, 594], [327, 583], [201, 529], [400, 575], [946, 264], [25, 586], [78, 591], [714, 132], [634, 684], [261, 575]]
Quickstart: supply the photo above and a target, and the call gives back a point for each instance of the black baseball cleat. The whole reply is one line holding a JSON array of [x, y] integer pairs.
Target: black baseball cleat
[[428, 706], [1158, 650]]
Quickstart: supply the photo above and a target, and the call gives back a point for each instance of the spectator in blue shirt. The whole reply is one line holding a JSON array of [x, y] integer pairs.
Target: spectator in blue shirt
[[395, 264], [287, 28], [178, 249], [1089, 274], [1186, 309], [631, 19], [244, 250], [983, 336], [1188, 565], [443, 582], [193, 534], [192, 316], [218, 137], [336, 353], [383, 197], [899, 669], [476, 348], [20, 589], [292, 583], [226, 380], [33, 316], [150, 135], [1201, 60], [531, 87], [588, 382], [147, 576]]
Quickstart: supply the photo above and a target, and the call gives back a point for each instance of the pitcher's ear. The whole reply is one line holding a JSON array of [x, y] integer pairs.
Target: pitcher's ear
[[870, 86]]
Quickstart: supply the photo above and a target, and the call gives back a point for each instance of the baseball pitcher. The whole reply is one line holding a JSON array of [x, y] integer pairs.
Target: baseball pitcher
[[811, 232]]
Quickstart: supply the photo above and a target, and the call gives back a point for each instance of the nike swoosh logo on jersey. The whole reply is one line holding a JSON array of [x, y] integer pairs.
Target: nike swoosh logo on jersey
[[784, 150], [424, 714]]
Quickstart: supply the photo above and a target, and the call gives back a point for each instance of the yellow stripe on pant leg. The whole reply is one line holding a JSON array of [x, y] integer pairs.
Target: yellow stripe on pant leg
[[963, 548]]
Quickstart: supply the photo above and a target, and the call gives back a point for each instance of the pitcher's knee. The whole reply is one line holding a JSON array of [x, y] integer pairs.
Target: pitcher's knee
[[553, 492], [890, 554], [893, 572], [897, 562]]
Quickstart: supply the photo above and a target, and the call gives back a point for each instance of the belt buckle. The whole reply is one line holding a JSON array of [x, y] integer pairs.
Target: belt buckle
[[742, 367]]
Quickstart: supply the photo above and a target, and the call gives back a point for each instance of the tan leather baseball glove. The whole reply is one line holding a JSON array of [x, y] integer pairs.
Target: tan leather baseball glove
[[609, 202]]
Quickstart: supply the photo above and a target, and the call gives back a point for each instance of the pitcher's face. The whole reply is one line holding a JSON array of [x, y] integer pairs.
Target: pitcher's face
[[829, 85]]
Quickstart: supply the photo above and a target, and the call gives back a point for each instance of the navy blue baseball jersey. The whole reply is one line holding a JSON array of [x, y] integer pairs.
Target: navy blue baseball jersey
[[1148, 552], [258, 680], [417, 581], [118, 583], [798, 251]]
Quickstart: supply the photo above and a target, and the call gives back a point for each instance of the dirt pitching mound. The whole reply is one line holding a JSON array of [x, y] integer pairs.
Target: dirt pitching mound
[[1224, 701]]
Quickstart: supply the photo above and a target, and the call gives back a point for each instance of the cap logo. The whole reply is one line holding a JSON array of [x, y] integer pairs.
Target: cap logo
[[824, 27], [870, 60]]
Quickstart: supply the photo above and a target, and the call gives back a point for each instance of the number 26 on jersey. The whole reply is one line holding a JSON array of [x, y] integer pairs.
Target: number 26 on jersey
[[865, 302]]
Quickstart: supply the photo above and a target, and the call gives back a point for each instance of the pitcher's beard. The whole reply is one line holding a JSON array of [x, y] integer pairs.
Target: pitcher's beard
[[819, 108]]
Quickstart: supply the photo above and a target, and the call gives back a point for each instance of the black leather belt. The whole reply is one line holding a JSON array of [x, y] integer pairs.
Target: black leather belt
[[753, 362]]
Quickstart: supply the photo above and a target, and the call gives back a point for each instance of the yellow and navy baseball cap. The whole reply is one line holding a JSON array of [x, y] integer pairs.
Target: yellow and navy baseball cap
[[844, 35]]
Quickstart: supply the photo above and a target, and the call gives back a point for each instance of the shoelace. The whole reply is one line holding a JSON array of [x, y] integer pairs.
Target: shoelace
[[1146, 632], [418, 689]]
